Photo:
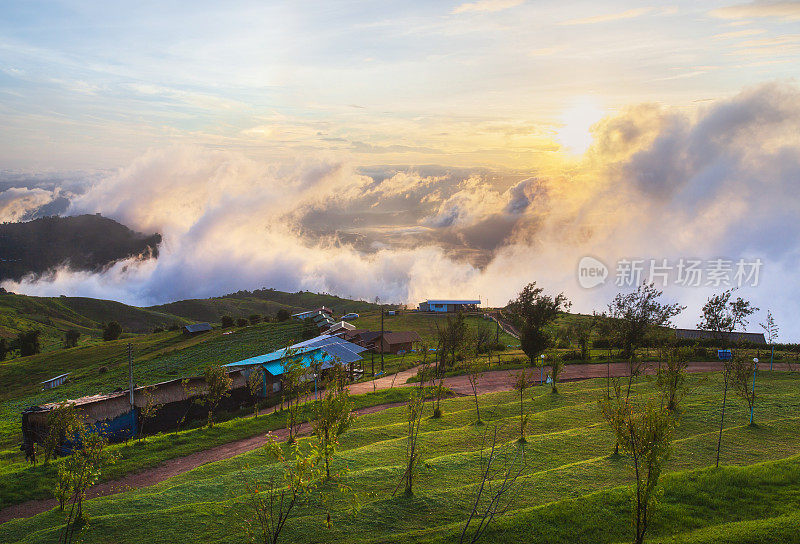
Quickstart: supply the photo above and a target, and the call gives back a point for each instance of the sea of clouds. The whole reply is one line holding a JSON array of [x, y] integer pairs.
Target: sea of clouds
[[720, 182]]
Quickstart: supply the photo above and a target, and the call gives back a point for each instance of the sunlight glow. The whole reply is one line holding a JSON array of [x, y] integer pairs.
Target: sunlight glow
[[576, 121]]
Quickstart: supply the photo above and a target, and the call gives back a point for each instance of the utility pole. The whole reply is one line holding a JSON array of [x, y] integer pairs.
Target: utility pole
[[381, 344], [130, 372]]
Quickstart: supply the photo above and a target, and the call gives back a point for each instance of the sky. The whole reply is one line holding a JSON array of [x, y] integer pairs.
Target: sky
[[409, 150]]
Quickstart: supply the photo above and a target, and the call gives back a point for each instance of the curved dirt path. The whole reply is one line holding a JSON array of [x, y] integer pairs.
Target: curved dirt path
[[490, 382]]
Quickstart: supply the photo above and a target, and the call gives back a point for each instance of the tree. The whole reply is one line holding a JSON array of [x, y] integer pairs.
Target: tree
[[218, 386], [722, 317], [496, 491], [771, 332], [331, 416], [635, 313], [71, 338], [255, 384], [76, 474], [274, 505], [294, 386], [644, 431], [480, 339], [188, 393], [226, 321], [520, 384], [556, 365], [672, 374], [473, 376], [581, 331], [254, 319], [742, 371], [451, 337], [414, 410], [148, 411], [28, 342], [111, 331], [532, 311], [283, 315], [63, 423], [4, 347], [241, 322]]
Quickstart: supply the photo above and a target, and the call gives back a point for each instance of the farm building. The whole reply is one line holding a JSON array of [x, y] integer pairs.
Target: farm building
[[55, 382], [322, 317], [388, 342], [322, 352], [733, 337], [309, 314], [445, 306], [196, 328], [340, 328], [395, 342], [363, 337], [113, 415]]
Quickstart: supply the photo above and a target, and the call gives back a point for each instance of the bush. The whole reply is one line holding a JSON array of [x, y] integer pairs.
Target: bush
[[227, 322], [174, 328], [241, 322], [254, 319], [158, 329], [102, 370], [112, 331], [283, 314], [571, 355]]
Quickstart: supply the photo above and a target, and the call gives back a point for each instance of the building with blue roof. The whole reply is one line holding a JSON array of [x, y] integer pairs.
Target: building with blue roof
[[449, 305], [320, 353]]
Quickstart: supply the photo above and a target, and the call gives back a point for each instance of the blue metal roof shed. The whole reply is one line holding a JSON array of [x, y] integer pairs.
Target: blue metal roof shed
[[197, 328], [55, 382], [327, 350]]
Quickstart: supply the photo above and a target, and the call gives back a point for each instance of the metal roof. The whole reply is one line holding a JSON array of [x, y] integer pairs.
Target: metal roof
[[57, 377], [198, 327], [446, 301], [325, 349]]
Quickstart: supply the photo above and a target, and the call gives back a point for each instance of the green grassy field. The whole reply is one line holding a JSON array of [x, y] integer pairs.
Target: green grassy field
[[572, 489]]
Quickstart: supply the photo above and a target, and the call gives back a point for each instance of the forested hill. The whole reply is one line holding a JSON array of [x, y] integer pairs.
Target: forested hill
[[83, 242]]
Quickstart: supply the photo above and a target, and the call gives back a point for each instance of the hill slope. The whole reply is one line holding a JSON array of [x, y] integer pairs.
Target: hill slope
[[83, 242]]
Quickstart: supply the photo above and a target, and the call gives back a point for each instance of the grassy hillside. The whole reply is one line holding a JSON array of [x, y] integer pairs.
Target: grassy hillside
[[572, 489], [103, 367], [424, 324], [56, 315], [260, 301]]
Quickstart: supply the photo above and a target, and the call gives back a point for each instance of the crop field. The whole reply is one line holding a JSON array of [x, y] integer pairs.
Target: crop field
[[103, 367], [572, 489]]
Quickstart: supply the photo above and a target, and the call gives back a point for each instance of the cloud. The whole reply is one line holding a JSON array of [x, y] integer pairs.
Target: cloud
[[486, 6], [18, 203], [787, 11], [609, 17], [657, 183]]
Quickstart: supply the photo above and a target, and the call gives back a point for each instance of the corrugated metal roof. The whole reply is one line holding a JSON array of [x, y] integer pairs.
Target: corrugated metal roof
[[198, 327], [325, 349], [57, 378]]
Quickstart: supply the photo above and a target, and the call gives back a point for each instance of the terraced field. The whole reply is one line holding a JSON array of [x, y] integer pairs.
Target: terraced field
[[572, 489]]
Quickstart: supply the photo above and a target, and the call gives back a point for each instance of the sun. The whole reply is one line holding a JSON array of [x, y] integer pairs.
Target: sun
[[576, 121]]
